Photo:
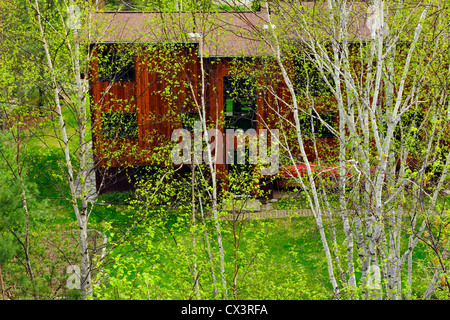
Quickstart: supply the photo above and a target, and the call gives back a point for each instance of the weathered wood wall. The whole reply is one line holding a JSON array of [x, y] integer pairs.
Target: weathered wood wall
[[167, 83]]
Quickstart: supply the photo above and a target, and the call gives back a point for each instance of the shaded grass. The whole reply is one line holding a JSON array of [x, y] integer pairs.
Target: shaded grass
[[274, 255], [46, 164], [275, 258]]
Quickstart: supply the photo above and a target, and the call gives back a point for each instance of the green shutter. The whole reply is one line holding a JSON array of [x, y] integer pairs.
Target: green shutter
[[229, 105]]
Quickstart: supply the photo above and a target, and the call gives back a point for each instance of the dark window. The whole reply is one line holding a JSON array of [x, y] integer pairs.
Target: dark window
[[311, 123], [188, 120], [146, 172], [408, 120], [322, 130], [115, 65], [239, 99], [309, 80], [119, 125], [239, 168]]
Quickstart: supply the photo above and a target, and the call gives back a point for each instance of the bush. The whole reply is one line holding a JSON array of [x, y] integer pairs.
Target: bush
[[116, 197]]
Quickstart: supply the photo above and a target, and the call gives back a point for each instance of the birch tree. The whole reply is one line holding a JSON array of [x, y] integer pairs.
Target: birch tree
[[377, 63], [57, 31]]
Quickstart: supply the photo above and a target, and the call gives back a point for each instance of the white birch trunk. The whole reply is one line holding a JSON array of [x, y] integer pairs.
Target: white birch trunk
[[80, 213], [314, 202], [212, 164]]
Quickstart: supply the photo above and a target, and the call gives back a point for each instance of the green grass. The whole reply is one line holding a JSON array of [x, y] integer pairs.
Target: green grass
[[45, 167], [277, 259], [291, 203]]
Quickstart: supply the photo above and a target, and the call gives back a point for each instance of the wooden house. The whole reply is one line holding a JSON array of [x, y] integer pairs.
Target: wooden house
[[152, 70]]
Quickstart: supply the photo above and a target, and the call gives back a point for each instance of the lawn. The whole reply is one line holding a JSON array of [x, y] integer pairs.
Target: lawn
[[273, 259]]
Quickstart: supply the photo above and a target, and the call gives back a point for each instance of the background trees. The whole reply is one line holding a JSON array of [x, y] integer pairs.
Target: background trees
[[43, 79], [377, 77], [385, 85]]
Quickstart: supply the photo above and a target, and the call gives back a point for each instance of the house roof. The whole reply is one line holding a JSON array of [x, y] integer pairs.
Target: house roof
[[225, 34]]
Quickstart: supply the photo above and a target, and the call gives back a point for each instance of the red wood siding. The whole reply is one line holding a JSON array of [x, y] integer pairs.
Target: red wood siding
[[158, 97]]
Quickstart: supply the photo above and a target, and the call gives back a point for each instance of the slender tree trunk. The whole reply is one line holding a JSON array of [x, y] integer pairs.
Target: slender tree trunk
[[195, 272], [80, 213], [27, 234], [2, 285], [85, 270], [26, 243], [212, 167], [314, 199], [208, 250], [86, 286]]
